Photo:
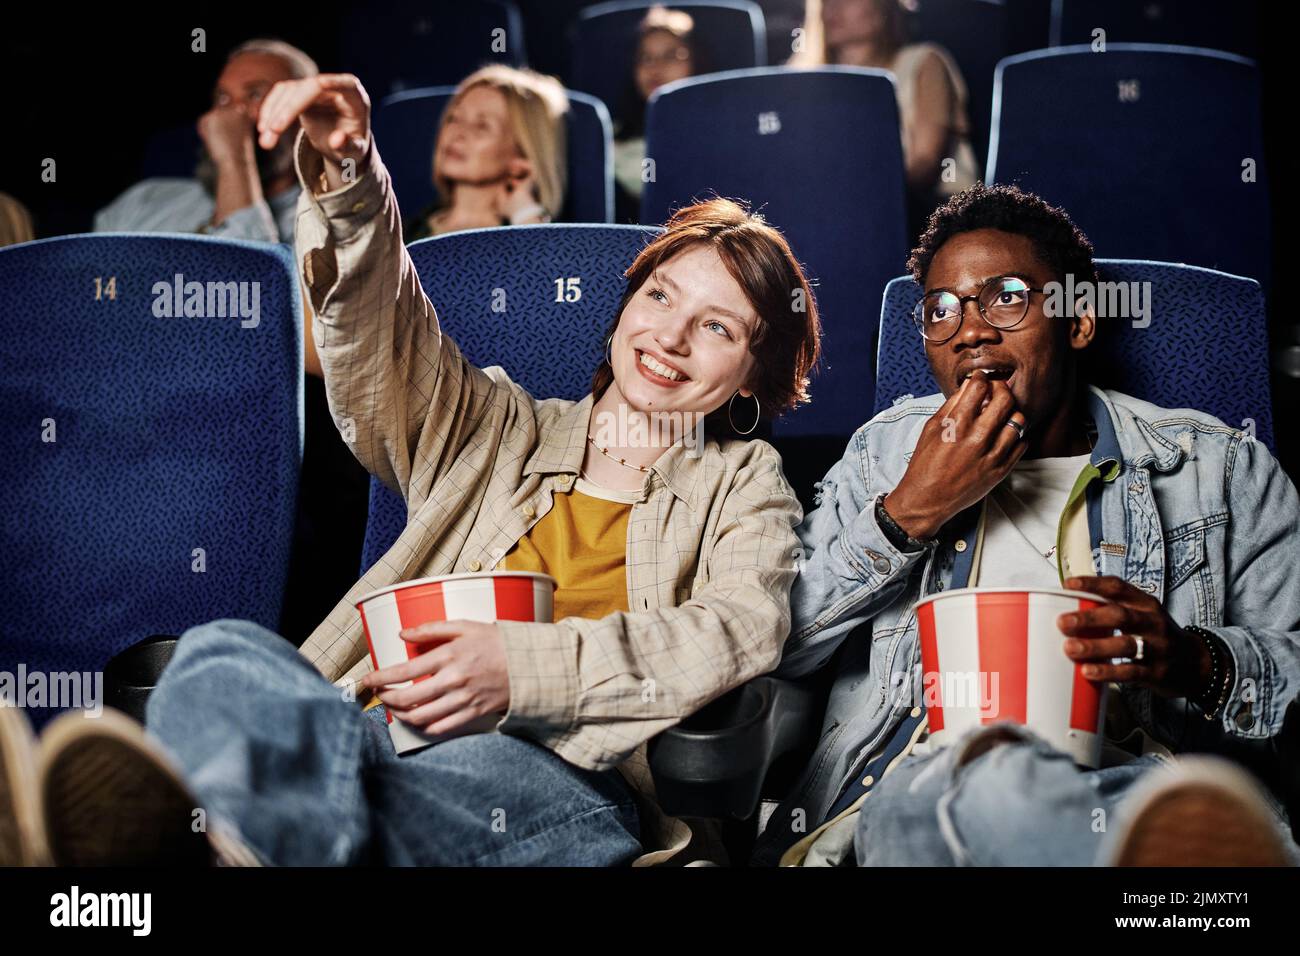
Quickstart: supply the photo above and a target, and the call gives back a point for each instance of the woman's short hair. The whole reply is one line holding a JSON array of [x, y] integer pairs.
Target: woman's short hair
[[786, 344], [536, 105]]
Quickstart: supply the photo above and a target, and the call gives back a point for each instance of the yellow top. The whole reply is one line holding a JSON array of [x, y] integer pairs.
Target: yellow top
[[582, 543]]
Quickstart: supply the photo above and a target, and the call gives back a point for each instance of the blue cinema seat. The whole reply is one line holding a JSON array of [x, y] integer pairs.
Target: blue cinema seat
[[730, 35], [412, 43], [406, 129], [150, 463], [1232, 27], [818, 153], [1146, 146], [1206, 346]]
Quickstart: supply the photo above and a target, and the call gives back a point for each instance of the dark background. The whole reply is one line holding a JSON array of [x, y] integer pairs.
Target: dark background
[[88, 86]]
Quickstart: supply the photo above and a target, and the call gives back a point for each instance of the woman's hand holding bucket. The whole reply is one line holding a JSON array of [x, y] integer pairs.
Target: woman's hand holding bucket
[[462, 677]]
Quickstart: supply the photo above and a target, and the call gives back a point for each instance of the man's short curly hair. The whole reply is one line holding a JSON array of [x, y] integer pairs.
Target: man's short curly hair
[[1058, 241]]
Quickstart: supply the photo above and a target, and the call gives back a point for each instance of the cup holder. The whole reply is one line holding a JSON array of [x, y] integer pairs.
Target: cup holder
[[131, 675], [714, 762], [733, 711]]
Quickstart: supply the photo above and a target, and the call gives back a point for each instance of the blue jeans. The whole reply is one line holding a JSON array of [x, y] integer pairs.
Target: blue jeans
[[1022, 803], [272, 748]]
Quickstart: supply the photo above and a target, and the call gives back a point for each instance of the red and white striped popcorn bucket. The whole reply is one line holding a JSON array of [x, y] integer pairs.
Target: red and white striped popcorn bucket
[[487, 597], [992, 654]]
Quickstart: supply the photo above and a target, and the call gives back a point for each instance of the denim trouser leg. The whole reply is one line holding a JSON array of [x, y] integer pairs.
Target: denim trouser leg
[[494, 800], [274, 749], [1022, 803]]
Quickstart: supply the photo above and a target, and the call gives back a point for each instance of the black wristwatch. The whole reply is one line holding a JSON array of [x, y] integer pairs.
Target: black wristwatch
[[895, 535]]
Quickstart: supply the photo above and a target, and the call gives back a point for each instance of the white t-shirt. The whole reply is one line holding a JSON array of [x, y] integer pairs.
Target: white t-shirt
[[1021, 521]]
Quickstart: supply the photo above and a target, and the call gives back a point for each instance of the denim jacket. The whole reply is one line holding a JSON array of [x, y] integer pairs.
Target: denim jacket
[[1197, 514]]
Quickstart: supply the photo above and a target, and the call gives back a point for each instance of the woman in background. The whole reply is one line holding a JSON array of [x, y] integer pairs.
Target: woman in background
[[930, 89], [665, 51], [500, 157], [15, 222]]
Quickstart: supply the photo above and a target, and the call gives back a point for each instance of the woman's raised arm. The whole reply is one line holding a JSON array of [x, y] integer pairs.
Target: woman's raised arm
[[397, 387]]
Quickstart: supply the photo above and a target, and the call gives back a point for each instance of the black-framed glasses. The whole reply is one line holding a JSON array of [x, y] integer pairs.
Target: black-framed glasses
[[1003, 303]]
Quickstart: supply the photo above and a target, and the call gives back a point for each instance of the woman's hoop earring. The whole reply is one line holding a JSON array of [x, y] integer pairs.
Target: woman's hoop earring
[[609, 355], [758, 413]]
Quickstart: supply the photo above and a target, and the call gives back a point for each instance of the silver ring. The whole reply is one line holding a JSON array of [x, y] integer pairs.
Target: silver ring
[[1020, 429], [1141, 648]]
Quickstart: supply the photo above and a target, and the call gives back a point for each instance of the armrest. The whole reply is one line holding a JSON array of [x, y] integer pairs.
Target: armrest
[[713, 764]]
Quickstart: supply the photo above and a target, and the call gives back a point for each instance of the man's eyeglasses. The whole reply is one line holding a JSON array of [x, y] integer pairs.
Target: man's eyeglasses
[[1003, 303]]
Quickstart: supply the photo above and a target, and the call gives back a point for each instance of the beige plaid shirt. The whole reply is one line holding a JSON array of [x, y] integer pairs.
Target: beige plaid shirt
[[711, 547]]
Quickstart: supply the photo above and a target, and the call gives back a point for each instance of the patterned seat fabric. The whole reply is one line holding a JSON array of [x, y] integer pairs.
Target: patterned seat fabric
[[150, 459]]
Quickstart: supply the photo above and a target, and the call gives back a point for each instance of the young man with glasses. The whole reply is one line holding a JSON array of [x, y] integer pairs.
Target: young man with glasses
[[1022, 474]]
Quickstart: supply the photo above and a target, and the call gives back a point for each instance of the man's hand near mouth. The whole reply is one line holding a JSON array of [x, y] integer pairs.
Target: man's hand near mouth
[[965, 449]]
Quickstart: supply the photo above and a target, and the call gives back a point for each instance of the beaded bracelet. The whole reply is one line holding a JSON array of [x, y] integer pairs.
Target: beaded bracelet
[[899, 538], [1218, 689]]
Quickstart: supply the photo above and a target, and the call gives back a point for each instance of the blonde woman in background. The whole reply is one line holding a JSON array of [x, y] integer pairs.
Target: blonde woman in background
[[15, 222], [931, 92], [500, 157]]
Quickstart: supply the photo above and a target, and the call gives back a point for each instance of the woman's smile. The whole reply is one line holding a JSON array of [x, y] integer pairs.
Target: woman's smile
[[659, 372]]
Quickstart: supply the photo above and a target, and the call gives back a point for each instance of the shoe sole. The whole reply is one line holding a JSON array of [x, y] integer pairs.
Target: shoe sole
[[1198, 823], [21, 842], [110, 799]]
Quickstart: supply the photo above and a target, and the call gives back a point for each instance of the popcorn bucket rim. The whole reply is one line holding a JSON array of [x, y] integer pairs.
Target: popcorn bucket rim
[[1056, 592], [443, 578]]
